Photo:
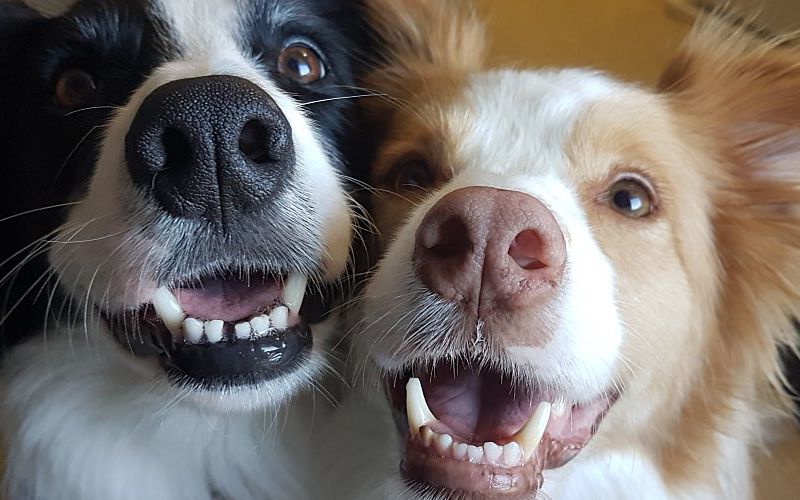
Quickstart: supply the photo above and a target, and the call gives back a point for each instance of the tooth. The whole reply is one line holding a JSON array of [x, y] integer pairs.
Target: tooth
[[559, 407], [279, 317], [242, 331], [530, 436], [460, 451], [443, 443], [214, 330], [427, 436], [512, 452], [492, 452], [475, 454], [416, 407], [193, 330], [260, 324], [168, 309], [294, 289]]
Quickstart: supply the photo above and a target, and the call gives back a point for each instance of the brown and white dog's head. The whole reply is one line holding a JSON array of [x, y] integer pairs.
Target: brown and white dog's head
[[568, 255]]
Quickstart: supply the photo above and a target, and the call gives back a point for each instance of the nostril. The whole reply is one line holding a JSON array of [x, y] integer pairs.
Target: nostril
[[527, 250], [178, 151], [451, 239], [254, 142]]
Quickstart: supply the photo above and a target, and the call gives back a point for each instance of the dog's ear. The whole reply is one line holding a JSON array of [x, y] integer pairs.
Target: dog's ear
[[736, 94], [424, 39]]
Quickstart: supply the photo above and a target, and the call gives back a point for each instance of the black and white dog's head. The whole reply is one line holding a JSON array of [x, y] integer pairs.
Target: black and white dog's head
[[172, 176]]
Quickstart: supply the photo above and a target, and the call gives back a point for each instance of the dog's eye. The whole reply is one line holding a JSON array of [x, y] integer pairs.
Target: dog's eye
[[75, 88], [631, 198], [301, 63], [411, 174]]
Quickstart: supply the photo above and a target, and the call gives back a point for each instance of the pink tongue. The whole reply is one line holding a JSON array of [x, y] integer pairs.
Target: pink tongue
[[228, 300], [478, 407]]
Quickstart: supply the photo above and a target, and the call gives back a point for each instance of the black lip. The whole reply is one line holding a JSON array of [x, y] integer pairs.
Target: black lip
[[238, 363]]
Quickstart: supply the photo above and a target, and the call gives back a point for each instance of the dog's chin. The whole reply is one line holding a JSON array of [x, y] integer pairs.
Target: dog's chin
[[233, 342], [478, 432]]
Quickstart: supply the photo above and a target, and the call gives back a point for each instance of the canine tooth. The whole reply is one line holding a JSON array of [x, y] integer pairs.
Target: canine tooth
[[512, 452], [492, 452], [260, 324], [193, 329], [279, 317], [214, 330], [530, 436], [443, 443], [460, 451], [242, 331], [475, 454], [294, 290], [416, 407], [168, 309], [427, 436]]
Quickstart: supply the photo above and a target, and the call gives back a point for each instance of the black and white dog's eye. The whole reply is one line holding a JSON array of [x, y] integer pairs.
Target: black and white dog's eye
[[301, 63], [632, 198], [75, 89]]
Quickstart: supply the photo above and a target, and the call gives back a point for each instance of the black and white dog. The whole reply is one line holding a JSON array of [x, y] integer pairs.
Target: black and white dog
[[172, 187]]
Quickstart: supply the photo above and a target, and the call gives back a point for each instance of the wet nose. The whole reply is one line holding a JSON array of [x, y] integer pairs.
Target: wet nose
[[215, 148], [490, 248]]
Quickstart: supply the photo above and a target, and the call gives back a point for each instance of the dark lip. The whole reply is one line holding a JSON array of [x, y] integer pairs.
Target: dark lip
[[238, 363]]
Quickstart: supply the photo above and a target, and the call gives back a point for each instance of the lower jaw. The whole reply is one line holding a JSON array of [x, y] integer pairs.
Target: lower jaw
[[242, 363], [450, 477]]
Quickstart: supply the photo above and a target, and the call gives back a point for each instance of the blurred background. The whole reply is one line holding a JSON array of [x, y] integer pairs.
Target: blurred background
[[631, 39]]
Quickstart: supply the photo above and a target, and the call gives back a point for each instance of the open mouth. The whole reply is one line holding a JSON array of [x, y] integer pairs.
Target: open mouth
[[221, 331], [474, 431]]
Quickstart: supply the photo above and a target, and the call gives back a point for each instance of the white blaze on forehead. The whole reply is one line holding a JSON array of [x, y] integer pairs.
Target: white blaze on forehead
[[50, 8], [201, 27], [520, 121]]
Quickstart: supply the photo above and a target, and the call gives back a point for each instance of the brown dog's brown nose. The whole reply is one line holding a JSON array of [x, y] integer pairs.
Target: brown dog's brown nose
[[490, 248]]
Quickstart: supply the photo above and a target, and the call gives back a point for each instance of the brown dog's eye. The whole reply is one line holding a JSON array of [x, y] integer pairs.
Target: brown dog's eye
[[75, 89], [632, 198], [301, 63], [412, 174]]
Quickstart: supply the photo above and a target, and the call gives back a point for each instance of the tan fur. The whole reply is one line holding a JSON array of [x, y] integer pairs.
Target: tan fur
[[725, 241]]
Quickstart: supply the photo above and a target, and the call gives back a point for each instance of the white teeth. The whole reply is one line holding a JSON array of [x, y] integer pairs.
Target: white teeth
[[242, 331], [260, 324], [460, 451], [214, 330], [559, 407], [294, 289], [168, 309], [193, 329], [492, 452], [512, 453], [279, 317], [427, 436], [475, 454], [416, 407], [530, 436], [443, 442]]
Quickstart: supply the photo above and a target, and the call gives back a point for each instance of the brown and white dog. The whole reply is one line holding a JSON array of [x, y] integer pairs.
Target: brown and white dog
[[584, 284]]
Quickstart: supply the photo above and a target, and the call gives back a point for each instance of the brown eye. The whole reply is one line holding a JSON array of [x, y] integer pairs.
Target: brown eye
[[632, 198], [301, 63], [411, 174], [75, 89]]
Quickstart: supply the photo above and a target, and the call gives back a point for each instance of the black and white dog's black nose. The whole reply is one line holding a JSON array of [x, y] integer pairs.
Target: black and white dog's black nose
[[214, 147]]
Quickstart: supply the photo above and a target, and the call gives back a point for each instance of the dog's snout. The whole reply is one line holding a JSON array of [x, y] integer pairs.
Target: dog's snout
[[215, 147], [490, 248]]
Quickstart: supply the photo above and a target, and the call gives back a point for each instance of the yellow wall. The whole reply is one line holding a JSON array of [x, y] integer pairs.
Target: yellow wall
[[628, 38]]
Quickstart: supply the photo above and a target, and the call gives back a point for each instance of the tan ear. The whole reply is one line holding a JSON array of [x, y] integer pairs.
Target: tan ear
[[737, 97], [744, 89], [423, 38]]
